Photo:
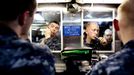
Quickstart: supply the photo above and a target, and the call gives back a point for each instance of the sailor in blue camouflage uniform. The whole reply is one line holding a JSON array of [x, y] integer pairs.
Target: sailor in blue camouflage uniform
[[19, 56], [122, 62]]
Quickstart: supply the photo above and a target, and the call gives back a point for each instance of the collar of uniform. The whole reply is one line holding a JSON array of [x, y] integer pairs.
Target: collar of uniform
[[129, 44], [6, 31]]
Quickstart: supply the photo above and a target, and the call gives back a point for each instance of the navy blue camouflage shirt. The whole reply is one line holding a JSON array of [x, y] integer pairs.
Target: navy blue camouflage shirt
[[120, 63], [19, 57]]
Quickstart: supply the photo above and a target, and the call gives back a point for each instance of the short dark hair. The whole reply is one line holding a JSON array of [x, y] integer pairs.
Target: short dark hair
[[11, 9], [54, 22]]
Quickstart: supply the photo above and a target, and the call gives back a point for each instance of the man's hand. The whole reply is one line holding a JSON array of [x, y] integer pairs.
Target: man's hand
[[47, 33]]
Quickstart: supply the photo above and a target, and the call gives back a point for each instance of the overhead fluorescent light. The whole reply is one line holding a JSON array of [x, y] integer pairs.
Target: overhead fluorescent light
[[38, 17], [52, 1]]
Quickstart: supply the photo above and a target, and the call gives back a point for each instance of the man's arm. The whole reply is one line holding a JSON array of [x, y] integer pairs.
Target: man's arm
[[98, 69], [33, 61]]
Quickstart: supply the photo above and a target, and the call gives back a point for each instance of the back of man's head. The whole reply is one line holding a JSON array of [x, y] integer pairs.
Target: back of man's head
[[124, 25], [126, 10], [11, 9]]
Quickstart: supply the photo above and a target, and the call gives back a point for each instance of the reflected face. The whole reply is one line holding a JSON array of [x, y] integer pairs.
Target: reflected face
[[92, 31], [108, 37], [54, 28]]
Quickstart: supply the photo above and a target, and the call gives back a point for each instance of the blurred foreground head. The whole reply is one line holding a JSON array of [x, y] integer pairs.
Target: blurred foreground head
[[124, 24], [17, 14]]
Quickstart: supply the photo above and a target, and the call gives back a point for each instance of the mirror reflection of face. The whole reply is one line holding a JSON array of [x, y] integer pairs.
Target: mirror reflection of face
[[108, 37], [92, 30], [54, 28]]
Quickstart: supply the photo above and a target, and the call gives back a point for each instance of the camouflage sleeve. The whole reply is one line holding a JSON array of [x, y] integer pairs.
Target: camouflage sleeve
[[98, 69], [47, 60], [38, 62]]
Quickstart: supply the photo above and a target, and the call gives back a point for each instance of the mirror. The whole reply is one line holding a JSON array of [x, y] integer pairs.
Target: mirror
[[42, 28]]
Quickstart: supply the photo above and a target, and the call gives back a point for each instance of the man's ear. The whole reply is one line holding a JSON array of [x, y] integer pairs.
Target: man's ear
[[23, 17], [116, 25]]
